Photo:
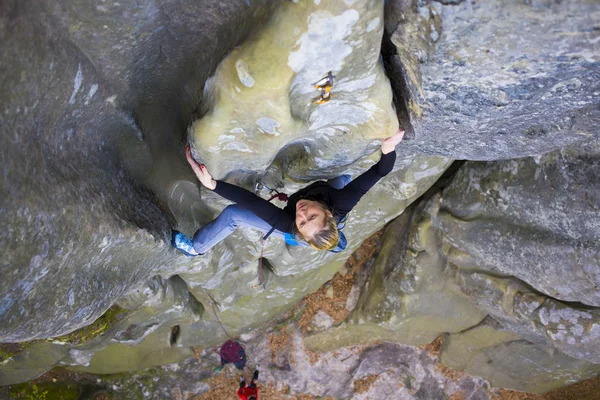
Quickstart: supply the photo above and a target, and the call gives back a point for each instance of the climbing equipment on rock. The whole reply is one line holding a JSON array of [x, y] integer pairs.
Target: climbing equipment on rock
[[212, 304], [324, 85], [274, 193]]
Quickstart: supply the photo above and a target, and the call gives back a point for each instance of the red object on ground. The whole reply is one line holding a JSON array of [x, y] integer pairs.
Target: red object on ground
[[245, 392]]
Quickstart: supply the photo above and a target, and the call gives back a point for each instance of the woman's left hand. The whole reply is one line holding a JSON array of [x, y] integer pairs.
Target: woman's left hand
[[202, 174], [389, 144]]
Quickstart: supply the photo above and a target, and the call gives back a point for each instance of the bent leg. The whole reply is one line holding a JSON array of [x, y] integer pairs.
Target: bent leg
[[340, 181], [224, 225]]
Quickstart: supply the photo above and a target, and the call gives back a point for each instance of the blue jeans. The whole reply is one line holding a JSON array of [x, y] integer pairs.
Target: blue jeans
[[233, 216], [340, 182]]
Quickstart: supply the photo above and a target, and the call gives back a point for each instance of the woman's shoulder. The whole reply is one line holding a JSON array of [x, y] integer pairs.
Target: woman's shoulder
[[317, 187]]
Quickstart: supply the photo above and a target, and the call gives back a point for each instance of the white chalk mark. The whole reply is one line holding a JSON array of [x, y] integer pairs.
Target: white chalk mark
[[76, 84], [91, 93], [373, 24], [268, 125], [244, 73]]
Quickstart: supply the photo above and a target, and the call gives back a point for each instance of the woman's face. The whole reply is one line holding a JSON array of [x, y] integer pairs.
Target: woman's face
[[309, 217]]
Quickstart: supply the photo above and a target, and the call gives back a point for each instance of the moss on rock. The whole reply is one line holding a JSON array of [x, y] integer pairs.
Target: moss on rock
[[95, 329], [9, 350], [79, 336], [44, 391]]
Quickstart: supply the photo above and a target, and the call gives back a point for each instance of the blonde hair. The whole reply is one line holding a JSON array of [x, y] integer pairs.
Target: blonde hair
[[327, 238]]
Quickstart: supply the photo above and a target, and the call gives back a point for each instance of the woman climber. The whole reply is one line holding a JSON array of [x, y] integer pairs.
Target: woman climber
[[312, 216]]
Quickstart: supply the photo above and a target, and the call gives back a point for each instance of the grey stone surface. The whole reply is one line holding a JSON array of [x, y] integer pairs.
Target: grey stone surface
[[321, 321], [509, 361], [402, 371], [258, 108], [536, 219], [520, 239], [574, 331], [407, 298], [93, 126], [96, 101], [491, 80]]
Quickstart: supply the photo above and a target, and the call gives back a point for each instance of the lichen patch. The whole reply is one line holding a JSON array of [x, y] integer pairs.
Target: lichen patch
[[363, 385], [332, 297]]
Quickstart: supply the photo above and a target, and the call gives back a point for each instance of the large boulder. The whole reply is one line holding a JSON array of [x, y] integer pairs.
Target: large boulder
[[511, 240], [535, 219], [96, 99], [509, 361], [258, 105], [407, 298], [519, 238], [112, 167], [493, 80]]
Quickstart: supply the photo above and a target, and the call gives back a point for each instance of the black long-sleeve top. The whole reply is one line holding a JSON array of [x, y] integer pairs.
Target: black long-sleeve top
[[340, 201]]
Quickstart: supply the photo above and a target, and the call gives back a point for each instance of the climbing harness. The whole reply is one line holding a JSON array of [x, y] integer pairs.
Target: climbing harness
[[324, 85], [274, 193]]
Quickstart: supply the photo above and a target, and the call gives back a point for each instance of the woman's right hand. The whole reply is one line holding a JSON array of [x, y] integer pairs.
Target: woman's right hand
[[389, 144], [202, 174]]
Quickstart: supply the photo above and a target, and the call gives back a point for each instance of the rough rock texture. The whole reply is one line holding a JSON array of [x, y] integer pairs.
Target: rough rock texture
[[259, 101], [96, 100], [160, 302], [510, 361], [407, 298], [448, 262], [496, 79], [288, 370], [110, 162], [534, 219], [573, 331], [541, 214]]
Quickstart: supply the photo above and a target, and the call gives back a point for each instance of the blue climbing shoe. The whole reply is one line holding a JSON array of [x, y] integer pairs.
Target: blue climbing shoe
[[183, 244]]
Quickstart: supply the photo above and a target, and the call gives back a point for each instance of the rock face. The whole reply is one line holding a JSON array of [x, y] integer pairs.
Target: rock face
[[91, 98], [407, 298], [540, 214], [356, 372], [95, 199], [97, 104], [259, 100], [535, 221], [495, 80], [492, 244], [512, 361]]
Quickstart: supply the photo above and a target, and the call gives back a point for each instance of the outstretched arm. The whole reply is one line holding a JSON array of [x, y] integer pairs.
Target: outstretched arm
[[265, 210], [350, 195]]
